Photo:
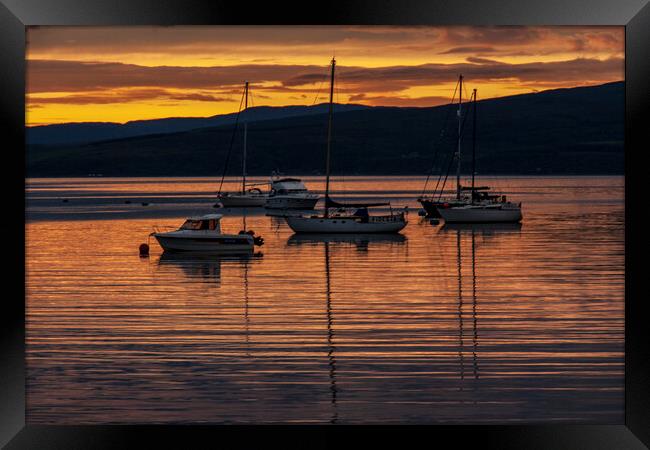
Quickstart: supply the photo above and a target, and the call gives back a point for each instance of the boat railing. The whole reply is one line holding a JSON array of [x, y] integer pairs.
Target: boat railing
[[163, 228], [391, 218]]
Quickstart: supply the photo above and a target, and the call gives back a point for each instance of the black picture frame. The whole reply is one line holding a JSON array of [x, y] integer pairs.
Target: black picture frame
[[15, 15]]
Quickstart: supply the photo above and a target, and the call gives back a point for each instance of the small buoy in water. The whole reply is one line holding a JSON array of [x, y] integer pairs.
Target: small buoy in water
[[434, 221], [145, 204], [127, 202], [422, 212], [144, 250]]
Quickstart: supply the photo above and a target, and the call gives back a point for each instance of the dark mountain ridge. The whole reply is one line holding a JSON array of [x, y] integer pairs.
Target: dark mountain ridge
[[86, 132], [563, 131]]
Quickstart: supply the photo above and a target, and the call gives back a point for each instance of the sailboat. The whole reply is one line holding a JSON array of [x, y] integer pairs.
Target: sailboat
[[481, 207], [344, 218], [248, 196], [431, 204]]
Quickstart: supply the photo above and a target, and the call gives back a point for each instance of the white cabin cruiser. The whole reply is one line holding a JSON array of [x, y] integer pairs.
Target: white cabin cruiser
[[203, 234], [290, 193], [340, 217]]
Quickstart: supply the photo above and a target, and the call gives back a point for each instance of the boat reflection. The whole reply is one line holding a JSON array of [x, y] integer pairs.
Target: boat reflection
[[484, 229], [330, 335], [462, 308], [362, 241], [204, 266]]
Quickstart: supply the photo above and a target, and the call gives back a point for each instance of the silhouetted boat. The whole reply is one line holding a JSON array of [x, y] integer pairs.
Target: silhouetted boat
[[345, 218], [431, 203], [472, 204], [483, 207], [248, 196]]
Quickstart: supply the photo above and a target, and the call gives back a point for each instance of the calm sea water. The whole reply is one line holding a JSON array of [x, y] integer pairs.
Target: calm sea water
[[439, 324]]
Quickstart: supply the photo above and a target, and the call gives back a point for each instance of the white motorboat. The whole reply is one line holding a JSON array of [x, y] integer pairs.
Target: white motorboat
[[290, 193], [344, 218], [247, 196], [203, 234]]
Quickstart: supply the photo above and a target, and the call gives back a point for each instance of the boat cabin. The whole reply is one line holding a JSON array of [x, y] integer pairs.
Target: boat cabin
[[284, 186], [480, 193], [210, 222]]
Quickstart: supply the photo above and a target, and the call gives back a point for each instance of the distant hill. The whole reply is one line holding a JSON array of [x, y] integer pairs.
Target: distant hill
[[563, 131], [86, 132]]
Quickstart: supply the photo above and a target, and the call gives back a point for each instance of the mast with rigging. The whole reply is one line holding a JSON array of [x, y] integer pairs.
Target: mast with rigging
[[343, 220], [243, 183], [460, 107], [329, 140], [473, 148]]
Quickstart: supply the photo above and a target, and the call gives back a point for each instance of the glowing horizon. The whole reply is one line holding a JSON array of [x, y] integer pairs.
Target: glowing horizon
[[119, 74]]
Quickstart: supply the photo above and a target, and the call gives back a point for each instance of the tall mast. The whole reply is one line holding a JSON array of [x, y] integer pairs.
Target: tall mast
[[474, 147], [460, 105], [243, 183], [329, 140]]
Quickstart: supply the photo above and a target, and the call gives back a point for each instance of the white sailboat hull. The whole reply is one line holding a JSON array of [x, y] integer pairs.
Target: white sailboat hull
[[481, 214], [242, 200], [291, 202], [375, 224]]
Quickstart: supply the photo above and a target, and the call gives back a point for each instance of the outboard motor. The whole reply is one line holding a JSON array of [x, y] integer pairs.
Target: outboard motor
[[257, 240]]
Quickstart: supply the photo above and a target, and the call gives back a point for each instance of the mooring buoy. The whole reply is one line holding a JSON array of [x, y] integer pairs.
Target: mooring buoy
[[144, 250]]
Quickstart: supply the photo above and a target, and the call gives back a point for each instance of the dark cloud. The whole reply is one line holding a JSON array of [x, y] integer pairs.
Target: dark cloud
[[382, 100], [72, 76], [397, 78], [476, 60], [501, 35], [211, 40], [115, 82], [470, 49], [123, 96]]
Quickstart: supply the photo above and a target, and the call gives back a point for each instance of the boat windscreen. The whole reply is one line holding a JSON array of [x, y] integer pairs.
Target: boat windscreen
[[195, 225]]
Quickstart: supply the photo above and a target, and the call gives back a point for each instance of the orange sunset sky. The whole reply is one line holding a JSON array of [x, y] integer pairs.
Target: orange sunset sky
[[119, 74]]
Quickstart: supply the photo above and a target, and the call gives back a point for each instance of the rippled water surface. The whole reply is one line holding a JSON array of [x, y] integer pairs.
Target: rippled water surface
[[462, 324]]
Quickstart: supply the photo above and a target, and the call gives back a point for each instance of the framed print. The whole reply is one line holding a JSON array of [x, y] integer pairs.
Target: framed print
[[260, 225]]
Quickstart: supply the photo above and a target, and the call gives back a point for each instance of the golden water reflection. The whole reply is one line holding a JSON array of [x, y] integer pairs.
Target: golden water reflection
[[439, 324]]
